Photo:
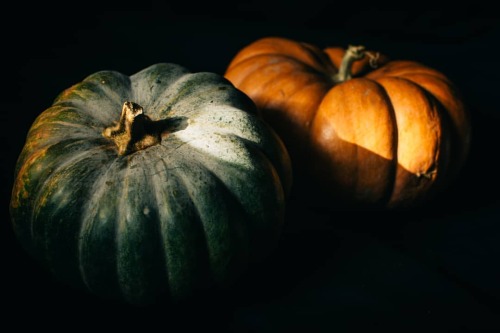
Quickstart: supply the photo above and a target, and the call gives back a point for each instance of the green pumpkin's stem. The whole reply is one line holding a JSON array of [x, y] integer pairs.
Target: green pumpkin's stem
[[352, 54], [134, 131]]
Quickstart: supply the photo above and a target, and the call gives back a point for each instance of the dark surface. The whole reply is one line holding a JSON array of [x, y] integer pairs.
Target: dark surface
[[435, 268]]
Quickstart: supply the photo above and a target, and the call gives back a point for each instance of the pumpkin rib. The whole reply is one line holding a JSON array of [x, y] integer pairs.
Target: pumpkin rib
[[326, 65], [60, 163], [202, 209], [446, 95], [256, 156], [236, 221], [209, 97], [120, 227], [246, 129], [45, 128], [267, 85], [56, 239], [51, 133], [188, 90], [225, 176], [246, 66], [102, 79], [91, 210], [176, 213], [99, 119], [299, 91], [400, 68], [162, 79], [170, 96], [95, 87], [138, 245], [415, 173], [281, 165], [271, 46], [272, 61], [192, 245], [52, 201], [31, 156], [341, 137], [55, 112]]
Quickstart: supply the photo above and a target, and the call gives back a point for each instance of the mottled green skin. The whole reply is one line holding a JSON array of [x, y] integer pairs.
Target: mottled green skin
[[188, 213]]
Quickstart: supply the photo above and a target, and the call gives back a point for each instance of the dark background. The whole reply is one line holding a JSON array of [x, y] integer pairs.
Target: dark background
[[435, 268]]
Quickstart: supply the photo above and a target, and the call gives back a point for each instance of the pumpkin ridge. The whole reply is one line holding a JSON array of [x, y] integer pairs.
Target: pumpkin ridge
[[310, 82], [307, 67], [244, 64], [321, 56], [157, 73], [42, 133], [274, 46], [181, 90], [392, 112], [166, 215], [102, 81], [277, 58], [256, 150], [235, 221], [221, 103], [56, 220], [459, 119], [97, 85], [47, 186], [121, 222], [283, 178], [165, 91], [54, 113], [455, 113], [61, 163], [272, 80], [99, 188], [340, 138], [187, 186], [200, 249], [400, 68], [165, 209], [421, 180], [138, 244], [254, 133]]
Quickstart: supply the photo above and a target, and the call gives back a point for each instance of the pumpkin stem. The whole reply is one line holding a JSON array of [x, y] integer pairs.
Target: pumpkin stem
[[352, 54], [134, 131]]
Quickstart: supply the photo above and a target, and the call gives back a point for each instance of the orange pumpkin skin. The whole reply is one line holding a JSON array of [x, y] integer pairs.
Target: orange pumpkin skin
[[388, 133]]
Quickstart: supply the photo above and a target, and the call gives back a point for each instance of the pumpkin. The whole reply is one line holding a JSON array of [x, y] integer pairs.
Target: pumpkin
[[361, 128], [158, 184]]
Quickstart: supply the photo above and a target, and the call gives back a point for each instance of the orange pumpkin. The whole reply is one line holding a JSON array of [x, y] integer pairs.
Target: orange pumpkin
[[363, 128]]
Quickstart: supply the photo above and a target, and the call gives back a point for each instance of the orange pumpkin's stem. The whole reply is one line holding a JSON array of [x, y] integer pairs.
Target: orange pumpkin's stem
[[352, 54], [134, 131]]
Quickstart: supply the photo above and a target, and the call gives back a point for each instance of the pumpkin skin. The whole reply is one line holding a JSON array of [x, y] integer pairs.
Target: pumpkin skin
[[373, 132], [192, 211]]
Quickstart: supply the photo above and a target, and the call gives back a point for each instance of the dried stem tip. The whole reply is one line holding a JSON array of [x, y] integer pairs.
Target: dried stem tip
[[134, 131]]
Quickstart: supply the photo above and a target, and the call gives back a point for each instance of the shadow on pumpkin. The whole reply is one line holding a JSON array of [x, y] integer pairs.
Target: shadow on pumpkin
[[377, 183]]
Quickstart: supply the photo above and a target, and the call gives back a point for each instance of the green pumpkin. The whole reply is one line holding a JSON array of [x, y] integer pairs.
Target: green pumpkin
[[160, 183]]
